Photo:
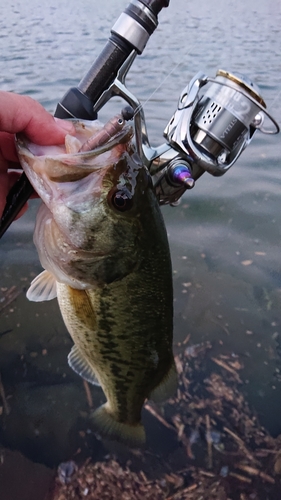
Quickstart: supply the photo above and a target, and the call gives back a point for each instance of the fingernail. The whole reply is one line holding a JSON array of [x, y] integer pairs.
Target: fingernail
[[65, 125]]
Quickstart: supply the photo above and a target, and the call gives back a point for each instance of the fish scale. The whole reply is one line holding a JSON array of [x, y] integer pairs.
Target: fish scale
[[102, 241]]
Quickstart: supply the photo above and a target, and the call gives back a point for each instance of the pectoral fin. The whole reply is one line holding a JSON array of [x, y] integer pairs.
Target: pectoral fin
[[81, 366], [43, 287]]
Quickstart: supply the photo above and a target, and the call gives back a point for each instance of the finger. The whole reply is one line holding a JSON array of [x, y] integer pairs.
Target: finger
[[4, 188], [12, 178], [7, 147], [22, 114], [7, 181]]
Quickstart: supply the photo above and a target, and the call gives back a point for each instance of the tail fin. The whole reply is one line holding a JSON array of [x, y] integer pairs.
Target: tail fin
[[108, 426], [167, 387]]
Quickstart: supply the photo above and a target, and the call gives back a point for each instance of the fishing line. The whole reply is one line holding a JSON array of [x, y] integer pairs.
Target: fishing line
[[157, 88]]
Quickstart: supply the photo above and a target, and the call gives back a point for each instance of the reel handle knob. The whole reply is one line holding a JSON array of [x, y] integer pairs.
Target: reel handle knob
[[181, 175]]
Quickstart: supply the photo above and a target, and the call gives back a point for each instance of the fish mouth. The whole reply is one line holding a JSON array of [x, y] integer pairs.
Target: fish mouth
[[121, 137], [24, 146], [57, 164]]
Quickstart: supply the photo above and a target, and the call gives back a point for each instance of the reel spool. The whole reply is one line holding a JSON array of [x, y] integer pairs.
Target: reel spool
[[215, 127]]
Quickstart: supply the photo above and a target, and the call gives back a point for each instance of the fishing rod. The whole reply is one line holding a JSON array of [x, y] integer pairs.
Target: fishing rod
[[128, 38], [215, 120]]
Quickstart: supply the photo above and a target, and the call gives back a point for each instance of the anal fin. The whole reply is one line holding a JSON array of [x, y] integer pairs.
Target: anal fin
[[43, 287], [81, 366]]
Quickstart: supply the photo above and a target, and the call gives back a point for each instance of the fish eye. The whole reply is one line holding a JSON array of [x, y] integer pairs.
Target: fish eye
[[121, 201]]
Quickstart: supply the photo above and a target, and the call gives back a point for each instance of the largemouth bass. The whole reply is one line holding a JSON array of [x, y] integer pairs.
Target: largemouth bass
[[102, 241]]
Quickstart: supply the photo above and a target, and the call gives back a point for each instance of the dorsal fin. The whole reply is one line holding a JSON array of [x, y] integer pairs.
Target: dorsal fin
[[43, 287], [81, 366]]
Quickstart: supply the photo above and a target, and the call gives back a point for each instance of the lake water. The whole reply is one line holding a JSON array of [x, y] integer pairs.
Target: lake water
[[224, 236]]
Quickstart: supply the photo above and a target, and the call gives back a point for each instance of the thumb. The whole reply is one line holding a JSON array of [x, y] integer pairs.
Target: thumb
[[22, 114]]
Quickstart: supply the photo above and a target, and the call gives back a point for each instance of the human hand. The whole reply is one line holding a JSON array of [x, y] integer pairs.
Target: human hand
[[22, 114]]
